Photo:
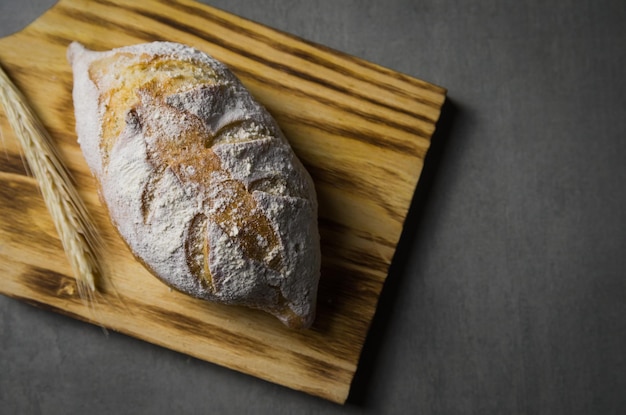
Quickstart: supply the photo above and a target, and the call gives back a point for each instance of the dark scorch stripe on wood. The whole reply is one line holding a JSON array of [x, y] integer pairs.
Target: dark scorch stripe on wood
[[13, 163], [339, 228], [354, 133]]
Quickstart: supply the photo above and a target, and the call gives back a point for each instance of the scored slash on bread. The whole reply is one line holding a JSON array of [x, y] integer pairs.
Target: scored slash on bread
[[198, 178]]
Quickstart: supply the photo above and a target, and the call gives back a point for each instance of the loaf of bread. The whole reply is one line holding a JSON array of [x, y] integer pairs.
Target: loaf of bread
[[198, 178]]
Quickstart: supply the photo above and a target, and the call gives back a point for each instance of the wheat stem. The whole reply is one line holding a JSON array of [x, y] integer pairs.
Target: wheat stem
[[76, 231]]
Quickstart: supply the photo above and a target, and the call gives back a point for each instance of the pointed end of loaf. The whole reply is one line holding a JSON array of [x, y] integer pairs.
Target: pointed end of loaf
[[74, 50]]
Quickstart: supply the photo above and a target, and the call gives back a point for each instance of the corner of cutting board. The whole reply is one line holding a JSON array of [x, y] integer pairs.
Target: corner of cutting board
[[29, 27]]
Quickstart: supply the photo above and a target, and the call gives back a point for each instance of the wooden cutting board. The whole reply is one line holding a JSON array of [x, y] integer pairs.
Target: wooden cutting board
[[360, 129]]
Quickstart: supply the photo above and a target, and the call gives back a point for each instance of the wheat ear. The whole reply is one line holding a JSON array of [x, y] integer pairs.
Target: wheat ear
[[76, 231]]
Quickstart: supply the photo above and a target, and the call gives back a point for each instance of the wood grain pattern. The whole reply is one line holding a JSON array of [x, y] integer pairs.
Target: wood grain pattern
[[360, 129]]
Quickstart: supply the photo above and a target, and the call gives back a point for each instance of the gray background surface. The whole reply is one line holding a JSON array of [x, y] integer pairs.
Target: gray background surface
[[507, 293]]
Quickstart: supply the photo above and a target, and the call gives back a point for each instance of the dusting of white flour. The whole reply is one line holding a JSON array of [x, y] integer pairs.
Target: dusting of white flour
[[155, 206]]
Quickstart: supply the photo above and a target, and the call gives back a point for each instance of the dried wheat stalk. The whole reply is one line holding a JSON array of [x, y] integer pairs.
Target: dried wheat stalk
[[77, 232]]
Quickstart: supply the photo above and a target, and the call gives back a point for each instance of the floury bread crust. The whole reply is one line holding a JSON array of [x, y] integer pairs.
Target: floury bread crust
[[198, 178]]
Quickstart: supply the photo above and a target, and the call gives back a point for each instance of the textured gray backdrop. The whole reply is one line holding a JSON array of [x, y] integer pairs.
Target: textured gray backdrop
[[507, 294]]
